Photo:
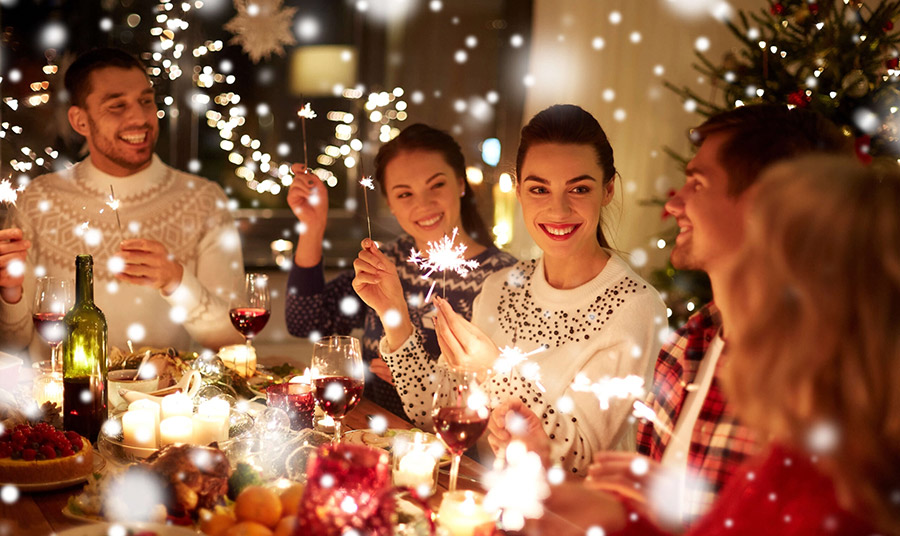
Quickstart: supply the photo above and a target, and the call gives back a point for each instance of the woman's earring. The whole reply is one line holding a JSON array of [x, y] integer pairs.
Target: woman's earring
[[462, 193]]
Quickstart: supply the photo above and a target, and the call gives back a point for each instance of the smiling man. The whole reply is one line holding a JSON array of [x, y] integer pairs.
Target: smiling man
[[697, 439], [164, 274]]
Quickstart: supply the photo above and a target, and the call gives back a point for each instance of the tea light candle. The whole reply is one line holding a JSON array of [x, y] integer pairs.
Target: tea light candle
[[48, 388], [325, 424], [151, 406], [415, 469], [175, 430], [239, 357], [139, 427], [177, 405], [462, 513], [211, 421]]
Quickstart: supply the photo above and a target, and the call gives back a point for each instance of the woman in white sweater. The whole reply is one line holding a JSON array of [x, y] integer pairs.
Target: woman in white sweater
[[579, 310]]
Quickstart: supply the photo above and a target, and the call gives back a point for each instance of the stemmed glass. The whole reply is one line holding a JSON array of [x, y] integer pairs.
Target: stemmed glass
[[53, 297], [250, 308], [460, 412], [339, 377]]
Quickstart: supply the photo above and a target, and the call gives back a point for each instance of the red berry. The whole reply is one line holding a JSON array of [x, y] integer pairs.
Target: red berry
[[67, 451], [48, 452], [29, 455]]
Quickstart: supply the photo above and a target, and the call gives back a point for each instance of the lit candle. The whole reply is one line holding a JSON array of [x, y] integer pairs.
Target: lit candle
[[177, 405], [48, 388], [175, 430], [239, 357], [325, 424], [415, 469], [139, 428], [211, 421], [151, 406], [462, 513]]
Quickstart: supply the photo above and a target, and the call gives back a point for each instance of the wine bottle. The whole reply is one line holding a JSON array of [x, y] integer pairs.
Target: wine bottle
[[84, 357]]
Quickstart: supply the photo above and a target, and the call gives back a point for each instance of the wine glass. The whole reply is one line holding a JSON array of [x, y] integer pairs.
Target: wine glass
[[460, 412], [250, 307], [53, 297], [339, 377]]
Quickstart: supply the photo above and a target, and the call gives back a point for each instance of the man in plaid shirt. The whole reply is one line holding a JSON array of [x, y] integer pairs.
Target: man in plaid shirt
[[693, 438]]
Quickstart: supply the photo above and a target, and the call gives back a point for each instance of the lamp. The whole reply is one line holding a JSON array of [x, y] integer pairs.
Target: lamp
[[317, 69]]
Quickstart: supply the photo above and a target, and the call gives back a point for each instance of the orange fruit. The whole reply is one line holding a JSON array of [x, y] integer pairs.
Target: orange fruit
[[248, 528], [258, 504], [286, 526], [290, 500], [216, 524]]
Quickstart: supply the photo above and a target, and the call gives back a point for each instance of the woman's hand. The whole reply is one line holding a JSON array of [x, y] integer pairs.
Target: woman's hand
[[308, 199], [380, 369], [512, 420], [463, 344], [378, 285]]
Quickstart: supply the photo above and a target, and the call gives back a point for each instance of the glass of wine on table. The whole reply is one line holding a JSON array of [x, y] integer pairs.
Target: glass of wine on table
[[338, 377], [460, 412], [53, 297], [250, 309]]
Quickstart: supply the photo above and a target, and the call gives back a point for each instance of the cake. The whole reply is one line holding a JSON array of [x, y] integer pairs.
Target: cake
[[42, 454]]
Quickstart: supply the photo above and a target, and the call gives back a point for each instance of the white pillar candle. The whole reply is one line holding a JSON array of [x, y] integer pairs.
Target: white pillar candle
[[211, 421], [139, 428], [415, 469], [177, 405], [462, 512], [176, 430], [152, 407]]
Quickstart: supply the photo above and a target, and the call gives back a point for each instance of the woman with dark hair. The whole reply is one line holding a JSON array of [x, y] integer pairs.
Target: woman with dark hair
[[578, 311], [421, 173]]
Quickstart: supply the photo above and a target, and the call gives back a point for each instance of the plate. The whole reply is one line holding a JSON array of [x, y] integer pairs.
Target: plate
[[99, 464], [384, 441], [103, 529]]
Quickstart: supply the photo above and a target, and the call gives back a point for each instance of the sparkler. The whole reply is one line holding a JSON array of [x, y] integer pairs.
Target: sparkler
[[113, 203], [441, 256], [367, 185], [631, 386], [642, 411], [8, 194], [306, 113], [518, 488]]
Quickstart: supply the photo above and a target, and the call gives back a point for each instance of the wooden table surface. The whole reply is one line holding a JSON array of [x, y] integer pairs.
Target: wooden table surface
[[40, 513]]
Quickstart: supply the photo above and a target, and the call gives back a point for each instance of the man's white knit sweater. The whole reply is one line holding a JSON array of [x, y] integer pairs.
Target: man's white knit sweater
[[65, 214]]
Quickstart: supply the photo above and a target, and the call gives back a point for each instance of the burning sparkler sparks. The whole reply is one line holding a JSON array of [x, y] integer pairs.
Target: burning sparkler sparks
[[631, 386], [113, 203], [642, 411], [441, 256], [8, 194]]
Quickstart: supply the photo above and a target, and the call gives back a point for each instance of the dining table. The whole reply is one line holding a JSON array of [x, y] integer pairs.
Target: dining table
[[41, 513]]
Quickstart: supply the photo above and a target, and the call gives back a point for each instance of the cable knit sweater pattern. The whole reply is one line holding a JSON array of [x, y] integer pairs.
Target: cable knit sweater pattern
[[68, 213]]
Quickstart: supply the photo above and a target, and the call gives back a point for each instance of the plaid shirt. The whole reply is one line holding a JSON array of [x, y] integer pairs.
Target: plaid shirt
[[719, 442]]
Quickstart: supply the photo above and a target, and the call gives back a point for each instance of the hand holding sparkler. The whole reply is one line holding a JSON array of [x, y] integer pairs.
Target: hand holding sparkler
[[13, 250], [626, 473], [462, 343], [308, 199], [378, 285], [513, 420]]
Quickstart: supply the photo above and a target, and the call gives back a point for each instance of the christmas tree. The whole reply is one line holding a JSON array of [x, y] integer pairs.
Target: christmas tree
[[837, 57]]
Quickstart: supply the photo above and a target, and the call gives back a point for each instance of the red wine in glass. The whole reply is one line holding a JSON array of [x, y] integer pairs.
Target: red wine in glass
[[50, 327], [459, 428], [337, 395], [249, 320]]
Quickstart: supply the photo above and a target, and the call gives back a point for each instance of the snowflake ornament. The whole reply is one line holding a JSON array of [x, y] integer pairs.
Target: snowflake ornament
[[306, 112], [262, 27], [441, 256]]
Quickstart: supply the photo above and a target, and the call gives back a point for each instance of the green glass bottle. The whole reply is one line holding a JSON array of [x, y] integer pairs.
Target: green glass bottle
[[84, 357]]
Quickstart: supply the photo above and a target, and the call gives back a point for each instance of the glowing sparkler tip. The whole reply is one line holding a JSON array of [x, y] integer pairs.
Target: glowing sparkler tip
[[306, 112], [367, 183], [8, 194]]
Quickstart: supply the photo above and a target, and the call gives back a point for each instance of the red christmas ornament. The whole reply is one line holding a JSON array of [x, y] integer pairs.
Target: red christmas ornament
[[777, 8], [892, 63], [888, 26], [814, 8], [863, 145], [799, 99]]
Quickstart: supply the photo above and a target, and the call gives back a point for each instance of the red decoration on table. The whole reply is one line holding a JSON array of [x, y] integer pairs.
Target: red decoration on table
[[297, 400], [863, 144]]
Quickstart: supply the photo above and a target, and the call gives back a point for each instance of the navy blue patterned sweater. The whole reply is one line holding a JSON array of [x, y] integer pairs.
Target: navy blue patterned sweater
[[314, 307]]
